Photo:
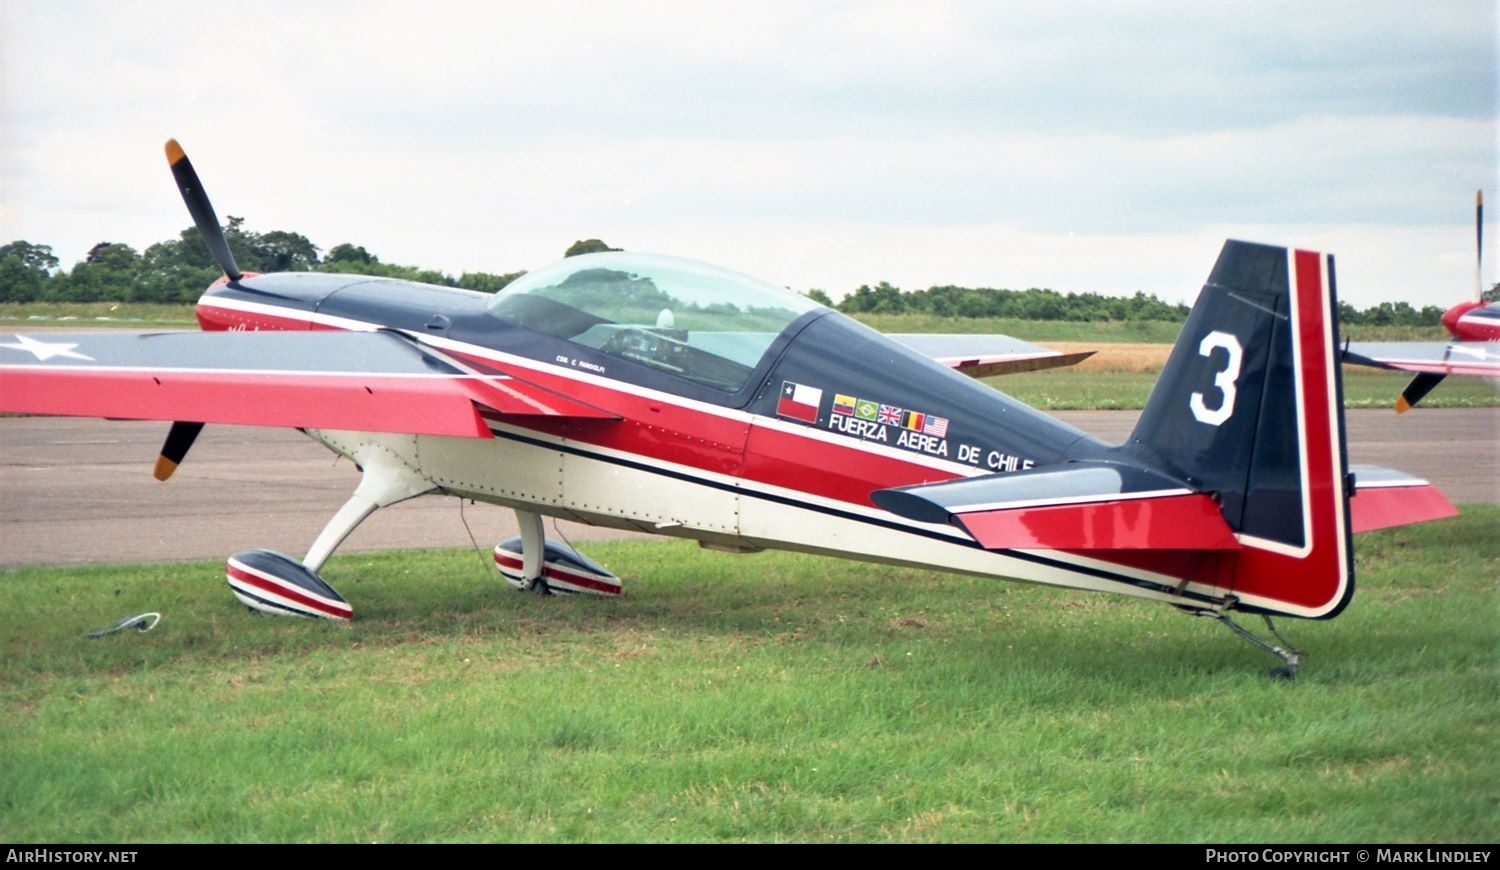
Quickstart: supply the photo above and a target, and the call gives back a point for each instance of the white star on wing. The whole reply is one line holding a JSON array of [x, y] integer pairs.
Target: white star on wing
[[45, 350]]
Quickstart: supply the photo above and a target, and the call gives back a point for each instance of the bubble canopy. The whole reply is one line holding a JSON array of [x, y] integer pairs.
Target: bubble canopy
[[700, 322]]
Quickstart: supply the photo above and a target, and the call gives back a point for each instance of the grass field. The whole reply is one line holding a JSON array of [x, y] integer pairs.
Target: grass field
[[753, 698], [1122, 388], [87, 315], [1120, 375], [139, 315]]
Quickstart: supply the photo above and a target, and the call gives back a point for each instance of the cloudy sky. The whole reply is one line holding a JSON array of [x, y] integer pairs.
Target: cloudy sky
[[1105, 146]]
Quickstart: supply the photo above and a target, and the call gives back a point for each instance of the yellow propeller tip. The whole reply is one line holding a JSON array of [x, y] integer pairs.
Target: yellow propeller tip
[[164, 468], [174, 152], [1402, 406]]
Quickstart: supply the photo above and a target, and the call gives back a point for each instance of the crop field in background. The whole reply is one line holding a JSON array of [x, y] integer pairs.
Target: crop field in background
[[772, 697], [1127, 358], [83, 315], [1115, 384]]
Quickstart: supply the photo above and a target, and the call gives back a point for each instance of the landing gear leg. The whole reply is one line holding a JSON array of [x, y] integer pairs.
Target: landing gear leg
[[533, 551], [385, 481], [274, 583]]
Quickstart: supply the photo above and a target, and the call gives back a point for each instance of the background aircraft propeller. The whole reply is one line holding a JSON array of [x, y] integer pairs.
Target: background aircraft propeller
[[1423, 383], [1479, 245]]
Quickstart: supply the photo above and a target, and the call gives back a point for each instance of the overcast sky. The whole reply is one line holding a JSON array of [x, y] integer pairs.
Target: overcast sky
[[1104, 146]]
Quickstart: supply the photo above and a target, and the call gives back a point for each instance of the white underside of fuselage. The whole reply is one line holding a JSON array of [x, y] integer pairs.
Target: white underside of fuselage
[[571, 480]]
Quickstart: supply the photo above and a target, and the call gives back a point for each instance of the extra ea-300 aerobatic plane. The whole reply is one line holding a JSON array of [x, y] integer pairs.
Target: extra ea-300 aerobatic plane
[[1474, 349], [667, 396]]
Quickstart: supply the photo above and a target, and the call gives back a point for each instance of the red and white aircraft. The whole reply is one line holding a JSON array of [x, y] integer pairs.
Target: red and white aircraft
[[667, 396], [1474, 350]]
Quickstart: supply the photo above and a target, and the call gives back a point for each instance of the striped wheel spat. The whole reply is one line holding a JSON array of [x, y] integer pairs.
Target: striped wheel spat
[[277, 584], [562, 574]]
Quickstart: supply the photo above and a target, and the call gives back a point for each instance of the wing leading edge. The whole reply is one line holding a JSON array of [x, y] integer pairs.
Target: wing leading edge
[[365, 381]]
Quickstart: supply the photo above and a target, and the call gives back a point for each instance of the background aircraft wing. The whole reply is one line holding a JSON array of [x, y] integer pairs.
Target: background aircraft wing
[[365, 381], [1430, 360], [1432, 357], [981, 356]]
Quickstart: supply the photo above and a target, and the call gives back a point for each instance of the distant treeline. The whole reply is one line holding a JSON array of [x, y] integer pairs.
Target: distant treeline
[[177, 271]]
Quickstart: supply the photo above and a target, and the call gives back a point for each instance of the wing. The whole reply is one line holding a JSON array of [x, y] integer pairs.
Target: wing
[[981, 356], [366, 381], [1429, 357]]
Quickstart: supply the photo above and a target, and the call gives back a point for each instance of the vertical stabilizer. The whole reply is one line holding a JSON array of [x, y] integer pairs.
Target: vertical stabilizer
[[1249, 408]]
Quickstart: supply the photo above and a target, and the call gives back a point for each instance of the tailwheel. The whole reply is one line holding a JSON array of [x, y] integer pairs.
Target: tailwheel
[[1284, 651]]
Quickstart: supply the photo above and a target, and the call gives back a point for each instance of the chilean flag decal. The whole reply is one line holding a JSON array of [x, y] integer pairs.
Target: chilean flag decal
[[799, 402]]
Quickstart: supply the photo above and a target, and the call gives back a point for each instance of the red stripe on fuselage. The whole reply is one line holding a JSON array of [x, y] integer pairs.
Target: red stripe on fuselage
[[213, 318], [664, 431]]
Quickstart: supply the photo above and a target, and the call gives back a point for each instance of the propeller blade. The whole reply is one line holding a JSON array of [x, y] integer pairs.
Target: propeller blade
[[180, 439], [201, 209], [1479, 245], [1420, 386]]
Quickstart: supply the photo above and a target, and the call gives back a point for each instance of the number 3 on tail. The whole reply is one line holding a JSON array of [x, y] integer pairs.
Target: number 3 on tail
[[1224, 380]]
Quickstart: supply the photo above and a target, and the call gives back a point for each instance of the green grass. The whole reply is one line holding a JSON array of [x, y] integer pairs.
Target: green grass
[[147, 315], [86, 315], [1066, 389], [1144, 331], [1147, 331], [1071, 389], [755, 698]]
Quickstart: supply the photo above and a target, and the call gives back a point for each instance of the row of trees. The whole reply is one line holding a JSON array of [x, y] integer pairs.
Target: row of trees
[[1033, 304], [1038, 304], [176, 271]]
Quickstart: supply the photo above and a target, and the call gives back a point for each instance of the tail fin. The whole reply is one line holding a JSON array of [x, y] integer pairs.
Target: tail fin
[[1234, 484], [1250, 408]]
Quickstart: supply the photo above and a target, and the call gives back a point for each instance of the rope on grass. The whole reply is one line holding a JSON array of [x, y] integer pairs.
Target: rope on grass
[[143, 622]]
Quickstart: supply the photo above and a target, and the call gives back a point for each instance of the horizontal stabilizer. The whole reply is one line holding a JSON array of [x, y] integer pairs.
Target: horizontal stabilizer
[[1384, 498], [1079, 506], [981, 356]]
